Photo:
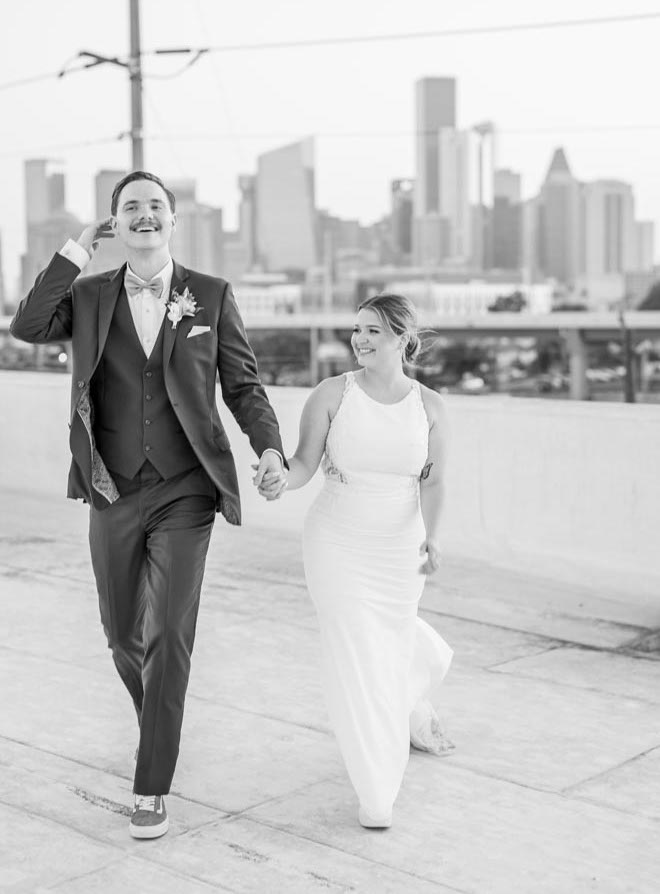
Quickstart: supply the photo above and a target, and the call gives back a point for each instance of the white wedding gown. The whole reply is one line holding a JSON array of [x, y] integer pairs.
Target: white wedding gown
[[361, 540]]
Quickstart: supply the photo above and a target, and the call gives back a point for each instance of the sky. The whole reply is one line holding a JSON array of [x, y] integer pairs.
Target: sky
[[590, 89]]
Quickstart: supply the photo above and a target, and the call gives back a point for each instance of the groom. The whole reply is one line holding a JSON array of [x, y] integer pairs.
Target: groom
[[150, 455]]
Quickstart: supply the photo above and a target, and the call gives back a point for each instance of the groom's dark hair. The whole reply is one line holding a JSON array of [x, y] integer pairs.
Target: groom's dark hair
[[139, 175]]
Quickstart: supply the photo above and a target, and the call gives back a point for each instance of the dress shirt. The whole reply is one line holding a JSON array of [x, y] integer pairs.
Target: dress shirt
[[147, 310]]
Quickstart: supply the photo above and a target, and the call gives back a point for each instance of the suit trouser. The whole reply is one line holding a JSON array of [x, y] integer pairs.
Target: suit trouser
[[148, 553]]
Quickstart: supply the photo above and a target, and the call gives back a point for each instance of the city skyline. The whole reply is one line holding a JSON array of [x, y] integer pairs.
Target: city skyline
[[531, 82], [583, 236]]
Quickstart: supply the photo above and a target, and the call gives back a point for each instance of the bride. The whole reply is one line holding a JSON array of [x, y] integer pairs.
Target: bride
[[381, 438]]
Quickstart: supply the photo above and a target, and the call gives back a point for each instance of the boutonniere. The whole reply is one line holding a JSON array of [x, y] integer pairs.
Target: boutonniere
[[180, 306]]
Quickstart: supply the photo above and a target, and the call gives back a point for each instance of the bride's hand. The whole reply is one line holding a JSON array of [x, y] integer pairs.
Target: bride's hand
[[270, 485], [433, 557]]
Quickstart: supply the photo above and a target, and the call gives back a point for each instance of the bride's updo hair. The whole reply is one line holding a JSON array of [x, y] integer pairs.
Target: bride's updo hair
[[398, 314]]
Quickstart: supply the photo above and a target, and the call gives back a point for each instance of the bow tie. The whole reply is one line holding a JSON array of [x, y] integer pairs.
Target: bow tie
[[134, 285]]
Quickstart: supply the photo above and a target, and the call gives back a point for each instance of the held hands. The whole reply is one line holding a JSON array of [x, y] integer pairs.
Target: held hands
[[270, 479], [433, 557], [90, 236]]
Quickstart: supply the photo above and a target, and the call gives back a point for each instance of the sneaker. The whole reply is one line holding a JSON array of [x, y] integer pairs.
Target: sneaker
[[149, 818]]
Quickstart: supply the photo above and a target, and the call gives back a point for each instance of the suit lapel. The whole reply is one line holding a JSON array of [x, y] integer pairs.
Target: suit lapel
[[109, 293], [179, 277]]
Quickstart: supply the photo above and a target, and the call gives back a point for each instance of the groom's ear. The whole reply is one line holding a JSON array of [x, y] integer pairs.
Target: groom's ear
[[173, 222]]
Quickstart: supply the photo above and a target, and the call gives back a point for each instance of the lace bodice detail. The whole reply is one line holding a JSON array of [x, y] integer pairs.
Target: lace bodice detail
[[368, 440]]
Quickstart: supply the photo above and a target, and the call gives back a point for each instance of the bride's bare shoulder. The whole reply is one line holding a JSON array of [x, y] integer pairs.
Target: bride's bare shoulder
[[328, 393], [434, 405]]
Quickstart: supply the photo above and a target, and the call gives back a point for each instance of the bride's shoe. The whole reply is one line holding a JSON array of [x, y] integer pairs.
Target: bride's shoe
[[426, 732], [370, 822]]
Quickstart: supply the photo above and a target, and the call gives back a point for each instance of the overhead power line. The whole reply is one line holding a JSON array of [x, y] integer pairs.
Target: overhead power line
[[414, 35], [31, 79], [483, 30], [63, 147], [379, 134], [373, 134]]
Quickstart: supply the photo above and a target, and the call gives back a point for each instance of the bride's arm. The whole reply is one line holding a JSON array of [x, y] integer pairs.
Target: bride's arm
[[431, 485], [317, 415]]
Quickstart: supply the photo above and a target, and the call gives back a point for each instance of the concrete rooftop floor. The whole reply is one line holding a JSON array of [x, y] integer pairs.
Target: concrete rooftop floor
[[554, 785]]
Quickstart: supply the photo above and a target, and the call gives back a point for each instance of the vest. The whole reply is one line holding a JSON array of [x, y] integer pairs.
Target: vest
[[133, 418]]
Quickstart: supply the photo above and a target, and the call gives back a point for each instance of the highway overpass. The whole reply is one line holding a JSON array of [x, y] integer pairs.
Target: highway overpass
[[577, 329]]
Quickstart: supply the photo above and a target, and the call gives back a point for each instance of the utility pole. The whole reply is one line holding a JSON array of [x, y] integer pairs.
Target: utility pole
[[628, 355], [134, 67], [133, 64], [135, 75]]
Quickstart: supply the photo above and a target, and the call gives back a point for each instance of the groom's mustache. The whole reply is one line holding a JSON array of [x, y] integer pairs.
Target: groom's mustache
[[145, 223]]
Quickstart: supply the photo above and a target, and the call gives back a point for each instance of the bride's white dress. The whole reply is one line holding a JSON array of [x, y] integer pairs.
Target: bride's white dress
[[361, 540]]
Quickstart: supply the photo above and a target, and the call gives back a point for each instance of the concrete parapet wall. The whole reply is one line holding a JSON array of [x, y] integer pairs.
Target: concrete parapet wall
[[563, 480]]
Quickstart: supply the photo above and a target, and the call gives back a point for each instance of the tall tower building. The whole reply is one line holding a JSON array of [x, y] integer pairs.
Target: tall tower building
[[44, 240], [104, 184], [286, 212], [530, 239], [454, 193], [435, 109], [198, 239], [609, 227], [247, 217], [110, 253], [48, 224], [484, 133], [560, 232], [644, 245], [185, 191], [401, 220], [507, 220], [44, 189]]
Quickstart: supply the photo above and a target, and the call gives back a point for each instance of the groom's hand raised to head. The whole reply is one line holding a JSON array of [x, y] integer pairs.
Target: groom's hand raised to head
[[90, 236]]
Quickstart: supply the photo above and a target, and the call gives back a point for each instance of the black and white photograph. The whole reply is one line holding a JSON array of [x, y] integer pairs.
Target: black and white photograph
[[329, 438]]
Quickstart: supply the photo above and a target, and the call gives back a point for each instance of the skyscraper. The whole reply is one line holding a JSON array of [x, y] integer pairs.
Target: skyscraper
[[644, 245], [48, 224], [110, 254], [507, 220], [44, 189], [401, 220], [609, 227], [247, 217], [104, 184], [484, 132], [530, 239], [44, 239], [559, 230], [454, 194], [435, 109], [286, 214], [198, 239]]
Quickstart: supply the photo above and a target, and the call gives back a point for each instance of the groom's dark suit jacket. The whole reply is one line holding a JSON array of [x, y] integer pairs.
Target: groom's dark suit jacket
[[61, 307]]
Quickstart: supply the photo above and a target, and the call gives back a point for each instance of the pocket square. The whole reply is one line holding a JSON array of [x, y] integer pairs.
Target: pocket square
[[198, 330]]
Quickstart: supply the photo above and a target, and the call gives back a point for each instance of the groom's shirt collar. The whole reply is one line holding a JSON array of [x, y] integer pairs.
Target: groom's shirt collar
[[165, 274]]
